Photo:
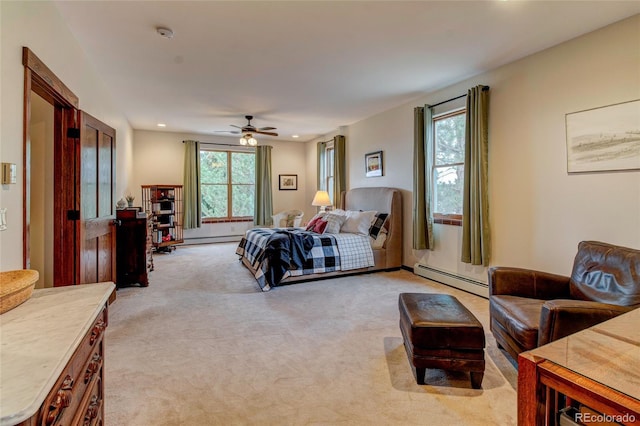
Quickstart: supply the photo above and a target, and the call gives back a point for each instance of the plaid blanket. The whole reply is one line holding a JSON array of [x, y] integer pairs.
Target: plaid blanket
[[329, 253]]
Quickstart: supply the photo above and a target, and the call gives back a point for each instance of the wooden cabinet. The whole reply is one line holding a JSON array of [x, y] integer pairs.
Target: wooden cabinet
[[133, 258], [592, 371], [164, 203], [53, 369]]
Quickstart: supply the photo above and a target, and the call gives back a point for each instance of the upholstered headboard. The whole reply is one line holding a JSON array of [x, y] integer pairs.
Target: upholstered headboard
[[382, 200]]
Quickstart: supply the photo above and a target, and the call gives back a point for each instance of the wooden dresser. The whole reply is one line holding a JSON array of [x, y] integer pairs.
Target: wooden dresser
[[133, 248], [52, 356]]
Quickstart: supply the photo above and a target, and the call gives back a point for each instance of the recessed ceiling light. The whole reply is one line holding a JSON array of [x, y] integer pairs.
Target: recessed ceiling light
[[162, 125], [295, 136], [165, 32]]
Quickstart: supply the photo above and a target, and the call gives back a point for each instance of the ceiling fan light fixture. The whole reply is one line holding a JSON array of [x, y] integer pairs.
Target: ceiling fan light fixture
[[248, 139]]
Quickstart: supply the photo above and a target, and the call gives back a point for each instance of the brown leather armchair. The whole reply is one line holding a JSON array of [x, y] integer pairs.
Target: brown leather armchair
[[530, 308]]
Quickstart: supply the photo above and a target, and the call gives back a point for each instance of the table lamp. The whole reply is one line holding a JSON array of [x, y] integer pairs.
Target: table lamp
[[321, 199]]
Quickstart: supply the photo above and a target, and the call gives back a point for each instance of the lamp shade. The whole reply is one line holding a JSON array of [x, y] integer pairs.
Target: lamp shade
[[321, 199]]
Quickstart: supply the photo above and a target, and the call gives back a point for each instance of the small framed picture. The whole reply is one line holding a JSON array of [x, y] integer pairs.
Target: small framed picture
[[288, 182], [373, 164]]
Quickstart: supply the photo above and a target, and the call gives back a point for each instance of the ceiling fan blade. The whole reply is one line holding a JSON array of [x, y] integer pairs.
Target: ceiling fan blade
[[233, 125], [233, 132], [266, 128], [265, 133]]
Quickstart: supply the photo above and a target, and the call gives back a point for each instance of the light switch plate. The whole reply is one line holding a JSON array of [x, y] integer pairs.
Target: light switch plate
[[9, 173]]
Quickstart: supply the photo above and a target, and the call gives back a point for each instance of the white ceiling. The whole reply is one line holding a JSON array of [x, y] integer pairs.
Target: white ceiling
[[307, 67]]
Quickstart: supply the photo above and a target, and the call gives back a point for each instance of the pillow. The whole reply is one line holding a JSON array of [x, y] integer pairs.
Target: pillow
[[290, 220], [319, 226], [334, 223], [358, 222], [378, 242], [314, 220], [378, 223]]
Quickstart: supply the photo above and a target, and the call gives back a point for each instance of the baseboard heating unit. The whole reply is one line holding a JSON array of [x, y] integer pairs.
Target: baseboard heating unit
[[462, 283]]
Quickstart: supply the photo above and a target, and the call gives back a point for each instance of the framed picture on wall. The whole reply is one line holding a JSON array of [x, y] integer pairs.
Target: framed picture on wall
[[604, 139], [373, 164], [288, 182]]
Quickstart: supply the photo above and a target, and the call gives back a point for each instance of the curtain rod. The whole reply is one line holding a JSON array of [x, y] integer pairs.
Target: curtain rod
[[484, 89], [223, 144]]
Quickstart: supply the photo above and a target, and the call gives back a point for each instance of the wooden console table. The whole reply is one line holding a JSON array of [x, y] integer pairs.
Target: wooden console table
[[598, 367]]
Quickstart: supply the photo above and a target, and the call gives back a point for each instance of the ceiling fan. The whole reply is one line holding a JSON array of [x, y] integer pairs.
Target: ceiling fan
[[249, 128]]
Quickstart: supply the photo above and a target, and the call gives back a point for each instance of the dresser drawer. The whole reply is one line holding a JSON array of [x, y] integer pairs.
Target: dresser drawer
[[90, 413], [83, 370]]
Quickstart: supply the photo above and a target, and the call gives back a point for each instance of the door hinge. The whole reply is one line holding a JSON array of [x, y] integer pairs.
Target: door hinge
[[73, 132], [73, 214]]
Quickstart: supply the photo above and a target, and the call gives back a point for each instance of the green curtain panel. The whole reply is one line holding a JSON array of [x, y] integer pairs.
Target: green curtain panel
[[422, 160], [192, 197], [264, 198], [476, 236], [340, 171]]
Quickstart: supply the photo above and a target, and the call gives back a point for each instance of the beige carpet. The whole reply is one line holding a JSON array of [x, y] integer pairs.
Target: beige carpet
[[203, 346]]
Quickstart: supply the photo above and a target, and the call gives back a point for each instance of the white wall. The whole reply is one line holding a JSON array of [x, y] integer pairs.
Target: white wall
[[159, 159], [538, 211], [39, 26]]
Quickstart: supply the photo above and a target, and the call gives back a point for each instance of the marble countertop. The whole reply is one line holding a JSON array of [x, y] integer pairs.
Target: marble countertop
[[608, 353], [38, 338]]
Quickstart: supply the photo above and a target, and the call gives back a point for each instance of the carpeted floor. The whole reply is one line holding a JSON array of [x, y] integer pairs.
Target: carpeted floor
[[202, 345]]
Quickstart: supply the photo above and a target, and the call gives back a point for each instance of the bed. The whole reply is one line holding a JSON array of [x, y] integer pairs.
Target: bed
[[329, 254]]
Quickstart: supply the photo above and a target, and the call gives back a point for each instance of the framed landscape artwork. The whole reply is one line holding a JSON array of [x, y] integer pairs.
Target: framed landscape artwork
[[373, 164], [288, 182], [604, 139]]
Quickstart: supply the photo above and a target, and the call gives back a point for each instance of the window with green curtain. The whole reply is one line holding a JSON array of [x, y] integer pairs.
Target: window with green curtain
[[227, 181], [448, 163], [332, 167]]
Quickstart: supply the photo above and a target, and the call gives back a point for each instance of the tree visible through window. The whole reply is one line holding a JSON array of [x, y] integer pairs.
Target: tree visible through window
[[227, 183], [448, 167]]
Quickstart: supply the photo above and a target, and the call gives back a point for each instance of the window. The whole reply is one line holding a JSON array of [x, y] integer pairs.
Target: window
[[227, 183], [327, 169], [448, 166]]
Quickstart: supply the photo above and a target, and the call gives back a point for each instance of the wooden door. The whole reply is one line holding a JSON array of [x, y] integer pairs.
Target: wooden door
[[97, 240]]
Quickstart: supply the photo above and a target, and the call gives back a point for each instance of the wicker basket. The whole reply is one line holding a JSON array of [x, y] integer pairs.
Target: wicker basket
[[16, 287]]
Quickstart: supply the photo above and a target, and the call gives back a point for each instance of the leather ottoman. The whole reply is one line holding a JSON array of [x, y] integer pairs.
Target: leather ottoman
[[439, 332]]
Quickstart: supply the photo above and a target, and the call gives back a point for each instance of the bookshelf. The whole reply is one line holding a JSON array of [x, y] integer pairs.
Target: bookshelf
[[165, 206]]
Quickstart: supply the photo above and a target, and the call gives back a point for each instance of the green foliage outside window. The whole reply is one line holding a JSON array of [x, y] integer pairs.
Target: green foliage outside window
[[227, 176], [448, 171]]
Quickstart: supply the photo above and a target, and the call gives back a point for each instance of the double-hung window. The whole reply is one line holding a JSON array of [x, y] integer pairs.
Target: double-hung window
[[227, 184], [327, 169], [448, 166]]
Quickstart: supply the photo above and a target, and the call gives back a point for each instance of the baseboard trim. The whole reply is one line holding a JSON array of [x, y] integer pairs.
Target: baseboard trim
[[407, 268], [462, 283], [208, 240]]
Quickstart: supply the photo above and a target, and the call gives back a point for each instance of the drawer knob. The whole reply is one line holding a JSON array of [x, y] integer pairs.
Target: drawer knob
[[96, 332], [92, 410], [61, 401], [93, 367]]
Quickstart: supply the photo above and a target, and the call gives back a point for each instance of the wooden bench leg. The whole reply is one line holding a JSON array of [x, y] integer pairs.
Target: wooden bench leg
[[476, 379]]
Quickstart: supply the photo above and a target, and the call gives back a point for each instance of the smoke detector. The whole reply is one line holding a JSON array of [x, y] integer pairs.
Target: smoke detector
[[165, 32]]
